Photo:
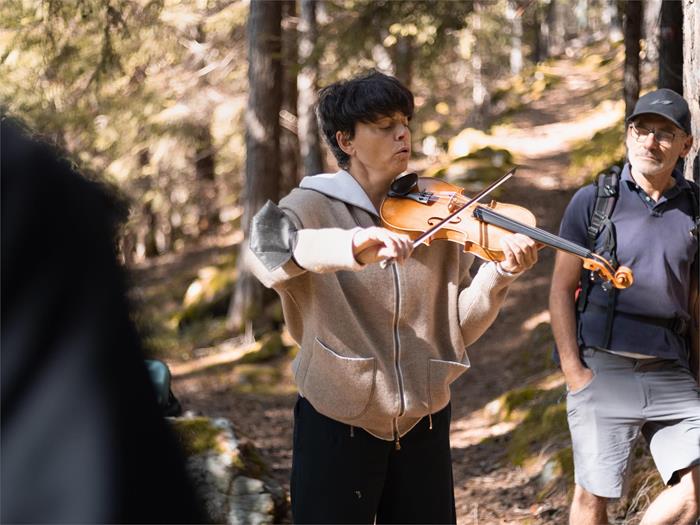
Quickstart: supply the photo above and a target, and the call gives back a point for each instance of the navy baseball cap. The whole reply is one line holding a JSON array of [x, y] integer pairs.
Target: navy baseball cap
[[666, 103]]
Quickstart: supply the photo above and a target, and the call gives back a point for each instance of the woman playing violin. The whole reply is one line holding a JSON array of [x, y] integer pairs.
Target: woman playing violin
[[379, 347]]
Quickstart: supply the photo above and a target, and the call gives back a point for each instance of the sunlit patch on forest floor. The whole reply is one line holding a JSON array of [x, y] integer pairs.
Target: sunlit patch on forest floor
[[511, 451]]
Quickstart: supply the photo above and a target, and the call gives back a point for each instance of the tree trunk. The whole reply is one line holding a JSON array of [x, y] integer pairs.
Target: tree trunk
[[610, 18], [582, 18], [516, 39], [555, 24], [652, 14], [309, 139], [691, 81], [633, 29], [205, 163], [289, 141], [403, 59], [546, 32], [671, 46], [536, 52], [204, 155], [477, 118], [262, 171], [205, 194], [150, 245]]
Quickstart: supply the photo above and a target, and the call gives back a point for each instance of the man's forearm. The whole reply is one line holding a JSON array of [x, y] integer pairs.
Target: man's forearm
[[694, 338], [563, 313]]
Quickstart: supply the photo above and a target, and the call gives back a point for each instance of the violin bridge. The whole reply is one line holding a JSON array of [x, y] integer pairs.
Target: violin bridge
[[423, 197]]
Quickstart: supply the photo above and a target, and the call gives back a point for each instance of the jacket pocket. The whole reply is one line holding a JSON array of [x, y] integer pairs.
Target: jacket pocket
[[440, 375], [339, 387]]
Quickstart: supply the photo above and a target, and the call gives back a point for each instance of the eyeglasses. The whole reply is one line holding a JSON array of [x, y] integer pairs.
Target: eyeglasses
[[640, 133]]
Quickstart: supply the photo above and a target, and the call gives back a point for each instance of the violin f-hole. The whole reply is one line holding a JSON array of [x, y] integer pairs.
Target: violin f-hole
[[435, 220]]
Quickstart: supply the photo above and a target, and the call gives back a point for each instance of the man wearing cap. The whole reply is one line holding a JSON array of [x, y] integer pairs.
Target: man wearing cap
[[641, 374]]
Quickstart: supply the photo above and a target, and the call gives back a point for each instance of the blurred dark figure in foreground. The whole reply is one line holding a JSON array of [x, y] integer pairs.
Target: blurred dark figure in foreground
[[82, 440]]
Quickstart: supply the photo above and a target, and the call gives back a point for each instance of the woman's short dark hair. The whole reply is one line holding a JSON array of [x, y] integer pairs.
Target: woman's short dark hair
[[365, 98]]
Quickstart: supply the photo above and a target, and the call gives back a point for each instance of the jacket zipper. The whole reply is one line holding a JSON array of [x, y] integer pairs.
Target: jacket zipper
[[397, 353], [397, 442]]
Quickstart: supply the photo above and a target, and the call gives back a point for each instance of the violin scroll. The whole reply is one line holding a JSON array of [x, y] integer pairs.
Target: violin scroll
[[621, 278]]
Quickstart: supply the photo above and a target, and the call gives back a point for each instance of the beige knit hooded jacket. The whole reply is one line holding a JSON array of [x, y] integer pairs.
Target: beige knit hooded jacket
[[378, 347]]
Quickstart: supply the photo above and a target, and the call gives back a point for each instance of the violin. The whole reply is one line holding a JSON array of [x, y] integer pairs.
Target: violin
[[427, 209]]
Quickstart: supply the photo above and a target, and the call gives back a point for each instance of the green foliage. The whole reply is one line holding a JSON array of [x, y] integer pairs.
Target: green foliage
[[435, 38], [475, 169], [260, 379], [590, 157], [495, 156], [558, 472], [539, 357], [170, 326], [127, 87], [516, 92], [540, 416], [139, 91], [197, 435], [515, 399], [372, 23], [271, 347], [545, 422], [250, 462], [207, 296]]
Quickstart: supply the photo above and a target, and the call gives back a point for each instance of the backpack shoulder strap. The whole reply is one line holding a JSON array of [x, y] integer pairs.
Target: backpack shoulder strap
[[607, 189], [695, 200], [606, 194]]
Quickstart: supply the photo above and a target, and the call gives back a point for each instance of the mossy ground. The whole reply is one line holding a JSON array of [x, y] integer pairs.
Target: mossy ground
[[605, 149], [196, 435], [173, 323], [199, 435]]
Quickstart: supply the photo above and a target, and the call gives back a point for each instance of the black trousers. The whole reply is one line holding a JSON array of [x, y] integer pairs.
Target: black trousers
[[344, 476]]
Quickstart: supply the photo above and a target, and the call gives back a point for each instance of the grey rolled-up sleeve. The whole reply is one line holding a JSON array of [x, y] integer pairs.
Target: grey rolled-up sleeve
[[279, 248], [272, 236]]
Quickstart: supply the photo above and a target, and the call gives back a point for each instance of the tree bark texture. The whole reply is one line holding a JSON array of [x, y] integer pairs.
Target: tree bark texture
[[691, 80], [555, 29], [633, 32], [289, 141], [205, 168], [262, 170], [309, 140], [671, 46], [536, 44], [403, 59]]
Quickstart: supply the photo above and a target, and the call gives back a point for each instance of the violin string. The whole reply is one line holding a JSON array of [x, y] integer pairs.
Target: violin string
[[495, 218], [542, 235], [438, 195], [488, 189]]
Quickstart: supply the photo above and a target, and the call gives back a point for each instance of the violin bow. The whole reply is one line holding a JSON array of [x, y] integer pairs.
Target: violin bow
[[428, 233]]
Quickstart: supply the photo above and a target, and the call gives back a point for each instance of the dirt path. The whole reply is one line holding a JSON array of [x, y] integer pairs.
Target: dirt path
[[488, 489]]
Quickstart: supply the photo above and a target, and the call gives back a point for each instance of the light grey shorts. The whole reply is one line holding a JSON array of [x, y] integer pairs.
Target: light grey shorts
[[658, 397]]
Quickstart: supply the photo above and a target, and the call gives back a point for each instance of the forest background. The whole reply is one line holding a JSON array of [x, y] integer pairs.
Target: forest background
[[197, 112]]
